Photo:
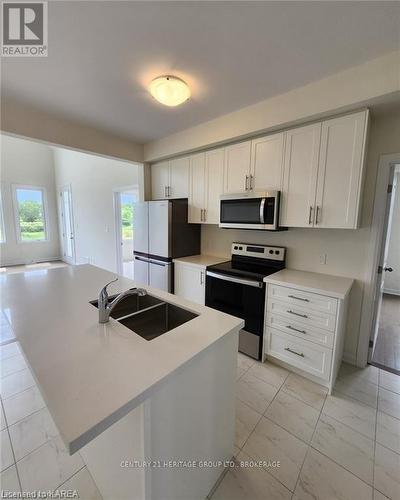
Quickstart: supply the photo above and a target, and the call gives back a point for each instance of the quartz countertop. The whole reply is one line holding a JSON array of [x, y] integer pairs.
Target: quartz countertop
[[202, 260], [324, 284], [91, 374]]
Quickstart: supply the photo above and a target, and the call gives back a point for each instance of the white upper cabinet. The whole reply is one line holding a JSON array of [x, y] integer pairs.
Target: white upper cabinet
[[170, 179], [267, 162], [179, 178], [237, 167], [340, 172], [159, 180], [197, 187], [300, 176], [214, 184], [206, 184]]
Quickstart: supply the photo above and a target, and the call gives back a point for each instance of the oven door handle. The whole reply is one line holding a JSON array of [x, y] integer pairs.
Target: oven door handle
[[256, 284]]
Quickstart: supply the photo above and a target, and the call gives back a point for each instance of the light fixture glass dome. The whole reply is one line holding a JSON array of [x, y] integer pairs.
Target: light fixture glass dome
[[169, 90]]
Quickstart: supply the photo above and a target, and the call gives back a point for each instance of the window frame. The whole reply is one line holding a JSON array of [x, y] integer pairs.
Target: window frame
[[43, 189]]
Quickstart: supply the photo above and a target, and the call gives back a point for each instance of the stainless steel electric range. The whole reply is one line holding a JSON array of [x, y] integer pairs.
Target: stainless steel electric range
[[236, 287]]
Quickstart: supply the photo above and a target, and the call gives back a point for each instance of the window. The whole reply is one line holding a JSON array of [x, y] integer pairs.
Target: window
[[30, 213], [2, 231]]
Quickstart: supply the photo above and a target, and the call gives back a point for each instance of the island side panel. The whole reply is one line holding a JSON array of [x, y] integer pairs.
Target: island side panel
[[123, 441], [192, 418]]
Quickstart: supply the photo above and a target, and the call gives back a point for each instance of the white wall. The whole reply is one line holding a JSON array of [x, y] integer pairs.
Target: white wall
[[28, 163], [346, 250], [349, 89], [392, 280], [92, 181]]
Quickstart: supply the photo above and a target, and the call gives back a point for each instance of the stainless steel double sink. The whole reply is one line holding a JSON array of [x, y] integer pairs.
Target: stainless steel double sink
[[149, 316]]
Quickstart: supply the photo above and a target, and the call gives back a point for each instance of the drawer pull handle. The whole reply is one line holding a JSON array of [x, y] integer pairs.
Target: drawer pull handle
[[297, 314], [296, 329], [298, 298], [294, 352]]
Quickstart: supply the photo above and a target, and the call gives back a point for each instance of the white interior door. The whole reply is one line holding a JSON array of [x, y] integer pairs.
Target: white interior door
[[67, 225]]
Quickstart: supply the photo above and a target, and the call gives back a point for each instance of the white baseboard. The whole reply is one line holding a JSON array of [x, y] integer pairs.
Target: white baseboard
[[391, 292], [349, 358], [24, 263]]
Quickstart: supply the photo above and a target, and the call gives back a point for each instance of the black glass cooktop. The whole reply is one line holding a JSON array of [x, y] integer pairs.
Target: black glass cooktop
[[248, 267]]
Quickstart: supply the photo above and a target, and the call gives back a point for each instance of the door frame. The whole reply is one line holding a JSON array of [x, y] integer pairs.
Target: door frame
[[117, 222], [376, 241], [67, 187]]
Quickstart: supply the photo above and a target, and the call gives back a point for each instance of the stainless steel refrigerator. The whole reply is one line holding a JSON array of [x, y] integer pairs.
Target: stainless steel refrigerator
[[162, 233]]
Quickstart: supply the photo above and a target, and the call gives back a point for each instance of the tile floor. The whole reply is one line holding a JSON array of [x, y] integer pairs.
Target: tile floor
[[345, 446]]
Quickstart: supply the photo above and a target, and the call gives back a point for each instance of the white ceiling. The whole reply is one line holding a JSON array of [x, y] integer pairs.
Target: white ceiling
[[103, 54]]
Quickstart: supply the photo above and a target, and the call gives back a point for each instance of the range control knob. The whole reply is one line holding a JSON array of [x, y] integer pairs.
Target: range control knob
[[276, 252], [271, 251], [235, 247]]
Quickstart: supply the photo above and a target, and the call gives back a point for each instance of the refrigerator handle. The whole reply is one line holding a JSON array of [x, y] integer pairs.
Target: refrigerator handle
[[142, 259]]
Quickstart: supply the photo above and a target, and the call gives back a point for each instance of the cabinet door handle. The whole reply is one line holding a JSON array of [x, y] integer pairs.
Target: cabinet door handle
[[246, 183], [295, 329], [310, 215], [294, 352], [165, 191], [201, 278], [317, 214], [205, 215], [169, 191], [298, 298], [201, 215], [251, 181], [297, 314]]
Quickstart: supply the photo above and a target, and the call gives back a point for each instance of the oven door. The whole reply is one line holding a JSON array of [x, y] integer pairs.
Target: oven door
[[250, 212], [243, 298]]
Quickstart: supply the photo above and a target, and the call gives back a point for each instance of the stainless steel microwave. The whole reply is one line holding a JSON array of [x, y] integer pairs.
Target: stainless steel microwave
[[252, 210]]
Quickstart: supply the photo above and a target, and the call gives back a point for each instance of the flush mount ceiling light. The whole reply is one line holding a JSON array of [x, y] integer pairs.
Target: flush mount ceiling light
[[169, 90]]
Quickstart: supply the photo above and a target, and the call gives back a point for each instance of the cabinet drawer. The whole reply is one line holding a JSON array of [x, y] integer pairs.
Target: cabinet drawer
[[302, 315], [310, 300], [293, 327], [300, 353]]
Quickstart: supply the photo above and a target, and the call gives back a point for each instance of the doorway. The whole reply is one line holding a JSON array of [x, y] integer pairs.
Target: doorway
[[385, 342], [124, 215], [67, 225]]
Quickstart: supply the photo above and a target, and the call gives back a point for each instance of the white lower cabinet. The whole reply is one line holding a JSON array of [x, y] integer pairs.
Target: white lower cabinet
[[190, 282], [305, 331]]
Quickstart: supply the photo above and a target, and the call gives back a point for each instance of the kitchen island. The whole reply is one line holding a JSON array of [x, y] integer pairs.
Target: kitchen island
[[151, 419]]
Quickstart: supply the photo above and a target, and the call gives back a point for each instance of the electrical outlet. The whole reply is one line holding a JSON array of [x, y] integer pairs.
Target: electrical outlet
[[322, 258]]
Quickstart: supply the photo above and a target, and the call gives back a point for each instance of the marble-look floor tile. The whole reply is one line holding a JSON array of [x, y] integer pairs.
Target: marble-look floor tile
[[346, 447], [388, 431], [7, 457], [23, 404], [6, 333], [245, 362], [272, 374], [31, 432], [3, 423], [323, 479], [389, 402], [9, 481], [246, 420], [245, 483], [378, 495], [349, 372], [11, 365], [309, 392], [48, 467], [359, 389], [240, 372], [6, 351], [295, 416], [359, 417], [272, 443], [389, 381], [254, 392], [82, 482], [387, 472], [15, 383]]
